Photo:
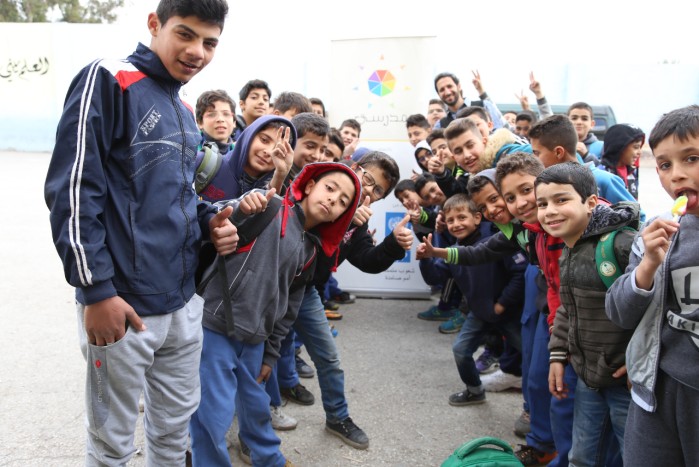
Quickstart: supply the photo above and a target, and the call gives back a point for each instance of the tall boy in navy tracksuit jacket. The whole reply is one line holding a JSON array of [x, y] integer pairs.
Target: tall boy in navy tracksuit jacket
[[127, 226]]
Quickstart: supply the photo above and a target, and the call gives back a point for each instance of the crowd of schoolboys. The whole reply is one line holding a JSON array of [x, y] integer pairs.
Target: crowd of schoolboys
[[529, 229]]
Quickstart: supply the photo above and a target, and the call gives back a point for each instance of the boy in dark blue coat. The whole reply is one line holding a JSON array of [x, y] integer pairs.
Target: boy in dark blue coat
[[494, 292]]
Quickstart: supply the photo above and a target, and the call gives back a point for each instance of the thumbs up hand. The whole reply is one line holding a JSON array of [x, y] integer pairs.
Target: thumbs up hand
[[363, 213], [404, 236], [223, 233], [255, 202]]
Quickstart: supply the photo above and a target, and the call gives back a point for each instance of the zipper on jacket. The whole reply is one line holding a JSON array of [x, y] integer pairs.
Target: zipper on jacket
[[183, 155]]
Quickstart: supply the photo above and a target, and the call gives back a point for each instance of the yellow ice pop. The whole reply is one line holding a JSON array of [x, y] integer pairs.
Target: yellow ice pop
[[679, 208]]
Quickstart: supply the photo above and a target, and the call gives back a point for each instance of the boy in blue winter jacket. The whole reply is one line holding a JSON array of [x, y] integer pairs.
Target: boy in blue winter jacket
[[252, 298], [658, 298], [493, 291], [127, 226]]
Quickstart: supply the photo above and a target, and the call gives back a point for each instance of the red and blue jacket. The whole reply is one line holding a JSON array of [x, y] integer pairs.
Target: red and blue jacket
[[124, 215]]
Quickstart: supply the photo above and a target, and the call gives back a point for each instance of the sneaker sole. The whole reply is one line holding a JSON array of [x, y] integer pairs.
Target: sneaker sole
[[284, 428], [490, 369], [433, 318], [449, 331], [347, 440], [296, 401], [462, 404], [306, 375], [333, 317]]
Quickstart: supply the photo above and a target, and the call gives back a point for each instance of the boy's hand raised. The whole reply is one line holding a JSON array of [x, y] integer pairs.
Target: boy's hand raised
[[283, 153], [413, 210], [105, 321], [425, 249], [656, 240], [404, 236], [363, 213], [255, 202], [436, 164], [224, 234]]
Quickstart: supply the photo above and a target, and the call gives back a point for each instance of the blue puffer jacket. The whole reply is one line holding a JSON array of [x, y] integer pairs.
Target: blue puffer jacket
[[124, 214]]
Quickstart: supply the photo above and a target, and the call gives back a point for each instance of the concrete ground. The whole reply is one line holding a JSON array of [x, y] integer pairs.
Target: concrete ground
[[399, 370]]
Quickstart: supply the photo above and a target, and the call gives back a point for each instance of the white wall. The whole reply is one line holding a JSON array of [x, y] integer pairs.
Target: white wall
[[606, 54]]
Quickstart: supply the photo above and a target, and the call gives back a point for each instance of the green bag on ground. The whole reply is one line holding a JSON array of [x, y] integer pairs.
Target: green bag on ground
[[480, 453]]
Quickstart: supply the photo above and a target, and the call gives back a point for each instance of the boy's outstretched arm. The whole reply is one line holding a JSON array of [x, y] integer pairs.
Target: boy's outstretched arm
[[427, 250]]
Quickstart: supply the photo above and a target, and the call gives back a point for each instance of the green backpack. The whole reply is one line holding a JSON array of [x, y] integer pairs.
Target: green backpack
[[608, 266], [477, 453]]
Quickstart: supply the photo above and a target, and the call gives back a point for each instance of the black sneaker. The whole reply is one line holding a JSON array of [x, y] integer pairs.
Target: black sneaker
[[466, 398], [298, 394], [304, 369], [348, 432], [344, 298]]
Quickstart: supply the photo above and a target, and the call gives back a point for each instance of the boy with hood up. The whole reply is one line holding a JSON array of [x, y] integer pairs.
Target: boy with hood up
[[261, 156], [622, 149], [252, 298]]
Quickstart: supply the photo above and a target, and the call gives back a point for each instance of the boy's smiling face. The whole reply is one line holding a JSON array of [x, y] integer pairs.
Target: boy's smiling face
[[493, 207], [518, 192], [561, 211], [468, 148], [461, 222], [184, 45], [677, 164], [260, 153], [309, 148], [255, 105], [582, 121], [432, 195]]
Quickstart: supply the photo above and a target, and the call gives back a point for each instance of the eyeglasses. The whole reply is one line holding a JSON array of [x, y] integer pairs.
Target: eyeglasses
[[368, 180]]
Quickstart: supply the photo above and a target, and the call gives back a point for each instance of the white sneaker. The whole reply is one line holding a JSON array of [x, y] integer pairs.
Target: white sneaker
[[281, 421], [500, 381]]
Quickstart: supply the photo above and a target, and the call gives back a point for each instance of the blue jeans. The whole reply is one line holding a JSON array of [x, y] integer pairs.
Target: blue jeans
[[471, 337], [597, 411], [312, 326], [228, 373]]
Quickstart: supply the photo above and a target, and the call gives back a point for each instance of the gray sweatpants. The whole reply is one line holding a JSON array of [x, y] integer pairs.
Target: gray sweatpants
[[163, 363], [668, 436]]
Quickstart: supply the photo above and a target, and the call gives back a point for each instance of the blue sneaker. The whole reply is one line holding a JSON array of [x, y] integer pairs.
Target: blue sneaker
[[433, 313], [453, 325], [487, 362], [333, 331]]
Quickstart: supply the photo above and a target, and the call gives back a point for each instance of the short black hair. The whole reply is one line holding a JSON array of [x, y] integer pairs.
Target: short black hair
[[317, 101], [556, 130], [423, 180], [477, 182], [681, 123], [473, 109], [208, 11], [526, 115], [334, 137], [252, 85], [437, 133], [385, 163], [309, 122], [577, 175], [207, 99], [517, 162], [417, 120], [289, 100], [581, 105], [438, 102], [460, 200], [404, 185]]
